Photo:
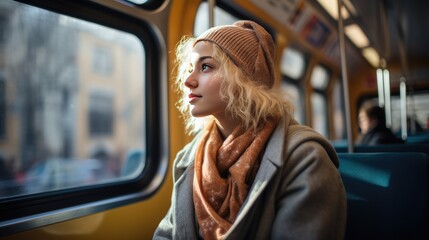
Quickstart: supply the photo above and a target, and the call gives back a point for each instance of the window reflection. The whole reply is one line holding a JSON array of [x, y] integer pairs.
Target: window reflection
[[71, 102]]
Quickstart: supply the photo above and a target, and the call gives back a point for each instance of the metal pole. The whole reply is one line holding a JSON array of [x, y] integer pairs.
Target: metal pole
[[403, 99], [344, 77], [380, 87], [212, 4], [387, 104]]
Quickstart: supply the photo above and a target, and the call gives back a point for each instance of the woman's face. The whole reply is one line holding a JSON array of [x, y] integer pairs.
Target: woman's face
[[364, 122], [204, 81]]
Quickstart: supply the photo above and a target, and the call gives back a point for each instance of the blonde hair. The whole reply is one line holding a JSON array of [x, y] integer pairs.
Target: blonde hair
[[249, 101]]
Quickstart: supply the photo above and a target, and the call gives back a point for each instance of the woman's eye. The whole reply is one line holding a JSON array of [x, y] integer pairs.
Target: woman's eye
[[205, 67]]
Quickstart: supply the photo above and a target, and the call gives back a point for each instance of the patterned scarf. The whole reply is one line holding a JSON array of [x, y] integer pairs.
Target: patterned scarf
[[224, 173]]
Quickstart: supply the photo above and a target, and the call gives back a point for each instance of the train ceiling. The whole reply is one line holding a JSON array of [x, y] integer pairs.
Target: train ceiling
[[404, 42]]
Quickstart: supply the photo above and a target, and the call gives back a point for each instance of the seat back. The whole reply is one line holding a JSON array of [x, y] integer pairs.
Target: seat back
[[387, 195], [417, 147], [418, 138]]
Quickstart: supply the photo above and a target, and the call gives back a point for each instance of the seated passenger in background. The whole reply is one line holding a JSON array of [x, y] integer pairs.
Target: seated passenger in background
[[372, 123]]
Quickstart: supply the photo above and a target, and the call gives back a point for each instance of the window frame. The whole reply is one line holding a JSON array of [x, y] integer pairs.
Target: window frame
[[20, 213]]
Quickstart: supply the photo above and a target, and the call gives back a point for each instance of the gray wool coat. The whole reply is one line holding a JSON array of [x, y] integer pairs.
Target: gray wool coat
[[297, 193]]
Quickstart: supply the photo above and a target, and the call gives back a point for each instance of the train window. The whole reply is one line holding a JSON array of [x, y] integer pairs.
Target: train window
[[319, 81], [417, 112], [74, 116], [293, 63], [319, 78], [221, 17], [294, 95]]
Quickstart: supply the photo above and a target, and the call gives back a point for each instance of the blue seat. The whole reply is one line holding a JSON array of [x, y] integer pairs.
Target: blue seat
[[418, 147], [387, 195], [418, 138]]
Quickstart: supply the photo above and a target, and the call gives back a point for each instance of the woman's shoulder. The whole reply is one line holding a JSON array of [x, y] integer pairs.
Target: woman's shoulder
[[300, 135], [297, 133]]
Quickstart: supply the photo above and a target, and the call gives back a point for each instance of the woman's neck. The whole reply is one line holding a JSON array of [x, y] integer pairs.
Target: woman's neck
[[226, 125]]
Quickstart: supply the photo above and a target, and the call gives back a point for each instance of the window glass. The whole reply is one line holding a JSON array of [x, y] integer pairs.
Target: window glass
[[293, 64], [221, 17], [101, 115], [319, 78], [417, 112], [319, 110], [294, 95], [73, 113], [339, 111], [102, 60]]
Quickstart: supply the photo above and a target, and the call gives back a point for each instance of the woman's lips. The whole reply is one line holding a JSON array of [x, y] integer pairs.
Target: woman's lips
[[193, 97]]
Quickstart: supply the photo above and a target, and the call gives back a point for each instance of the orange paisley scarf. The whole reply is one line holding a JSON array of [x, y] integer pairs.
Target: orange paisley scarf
[[224, 173]]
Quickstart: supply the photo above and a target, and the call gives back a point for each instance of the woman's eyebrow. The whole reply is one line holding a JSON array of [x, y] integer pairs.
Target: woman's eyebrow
[[202, 58]]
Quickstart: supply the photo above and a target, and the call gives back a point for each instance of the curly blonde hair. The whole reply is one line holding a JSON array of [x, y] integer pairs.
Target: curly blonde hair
[[253, 103]]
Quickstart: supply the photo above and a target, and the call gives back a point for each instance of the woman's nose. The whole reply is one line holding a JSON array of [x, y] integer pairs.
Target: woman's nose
[[191, 81]]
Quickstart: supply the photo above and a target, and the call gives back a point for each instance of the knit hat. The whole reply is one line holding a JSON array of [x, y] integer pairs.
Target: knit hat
[[248, 45]]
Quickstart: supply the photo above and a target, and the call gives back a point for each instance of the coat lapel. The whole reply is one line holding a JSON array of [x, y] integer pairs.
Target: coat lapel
[[184, 218], [270, 162]]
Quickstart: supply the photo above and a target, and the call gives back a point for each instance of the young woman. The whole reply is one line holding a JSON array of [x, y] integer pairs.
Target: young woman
[[251, 171]]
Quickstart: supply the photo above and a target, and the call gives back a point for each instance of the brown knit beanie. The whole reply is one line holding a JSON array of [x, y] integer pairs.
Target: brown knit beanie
[[248, 45]]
